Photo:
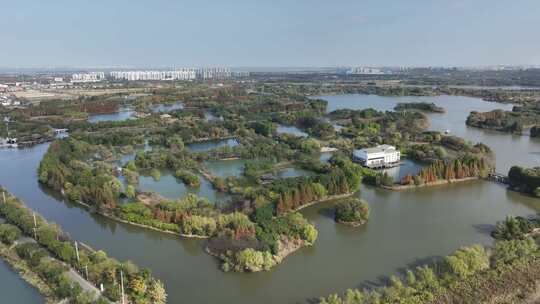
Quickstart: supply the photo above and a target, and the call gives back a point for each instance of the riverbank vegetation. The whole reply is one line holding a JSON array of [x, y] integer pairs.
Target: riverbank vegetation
[[510, 270], [48, 238]]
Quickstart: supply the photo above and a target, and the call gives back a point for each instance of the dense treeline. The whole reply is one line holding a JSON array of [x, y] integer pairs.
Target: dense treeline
[[342, 177], [238, 240], [63, 168], [525, 180], [141, 286], [464, 167], [423, 106]]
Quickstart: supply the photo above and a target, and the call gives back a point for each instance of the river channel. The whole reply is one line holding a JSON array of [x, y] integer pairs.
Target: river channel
[[405, 228]]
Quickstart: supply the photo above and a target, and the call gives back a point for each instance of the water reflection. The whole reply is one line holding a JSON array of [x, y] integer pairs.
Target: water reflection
[[212, 144], [121, 115], [165, 108], [291, 130], [226, 168], [407, 167], [172, 188]]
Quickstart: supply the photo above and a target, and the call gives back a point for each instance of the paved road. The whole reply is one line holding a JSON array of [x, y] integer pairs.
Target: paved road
[[85, 285]]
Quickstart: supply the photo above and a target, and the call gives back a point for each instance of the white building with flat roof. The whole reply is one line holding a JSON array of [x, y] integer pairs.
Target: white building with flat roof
[[377, 157]]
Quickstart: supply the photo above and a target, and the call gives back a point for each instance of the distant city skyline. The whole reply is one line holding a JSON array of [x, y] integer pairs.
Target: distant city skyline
[[277, 34]]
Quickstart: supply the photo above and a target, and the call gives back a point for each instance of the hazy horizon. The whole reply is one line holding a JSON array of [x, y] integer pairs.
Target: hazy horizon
[[280, 34]]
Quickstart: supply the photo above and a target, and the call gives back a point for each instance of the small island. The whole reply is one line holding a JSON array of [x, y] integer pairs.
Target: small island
[[515, 121], [526, 180], [352, 212], [422, 106]]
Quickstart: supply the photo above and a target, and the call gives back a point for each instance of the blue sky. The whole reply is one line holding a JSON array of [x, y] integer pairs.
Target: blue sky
[[274, 33]]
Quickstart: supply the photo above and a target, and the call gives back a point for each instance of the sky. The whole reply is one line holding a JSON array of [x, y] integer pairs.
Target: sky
[[261, 33]]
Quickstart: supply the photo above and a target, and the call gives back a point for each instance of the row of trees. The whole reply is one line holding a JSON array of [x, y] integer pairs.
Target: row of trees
[[342, 176], [141, 286], [463, 167], [53, 273]]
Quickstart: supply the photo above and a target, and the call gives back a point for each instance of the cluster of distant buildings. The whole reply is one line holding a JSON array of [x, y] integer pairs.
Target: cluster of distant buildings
[[6, 101], [88, 77], [159, 75], [364, 71]]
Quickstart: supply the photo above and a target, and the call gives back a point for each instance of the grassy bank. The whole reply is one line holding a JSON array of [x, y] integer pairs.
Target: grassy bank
[[8, 254]]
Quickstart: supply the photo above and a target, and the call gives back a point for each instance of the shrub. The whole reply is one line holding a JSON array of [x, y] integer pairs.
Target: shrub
[[352, 211], [9, 233], [188, 178]]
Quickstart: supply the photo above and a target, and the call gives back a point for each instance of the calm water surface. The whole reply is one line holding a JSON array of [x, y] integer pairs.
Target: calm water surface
[[171, 187], [14, 289], [128, 113], [123, 114], [405, 228], [212, 144], [226, 168], [165, 108], [292, 130]]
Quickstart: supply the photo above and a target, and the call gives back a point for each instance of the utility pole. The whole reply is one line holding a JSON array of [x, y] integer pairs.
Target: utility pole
[[35, 225], [4, 195], [86, 271], [122, 284], [77, 251]]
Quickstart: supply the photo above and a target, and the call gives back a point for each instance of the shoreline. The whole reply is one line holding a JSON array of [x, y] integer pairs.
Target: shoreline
[[398, 187], [285, 250], [324, 200], [117, 219], [16, 264], [352, 224]]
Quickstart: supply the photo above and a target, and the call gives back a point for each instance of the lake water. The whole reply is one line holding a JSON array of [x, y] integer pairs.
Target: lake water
[[292, 172], [123, 114], [405, 228], [165, 108], [407, 167], [292, 130], [126, 113], [212, 144], [172, 188], [226, 168], [15, 289]]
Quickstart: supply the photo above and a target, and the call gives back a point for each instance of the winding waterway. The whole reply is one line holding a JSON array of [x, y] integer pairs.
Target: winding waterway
[[405, 228]]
